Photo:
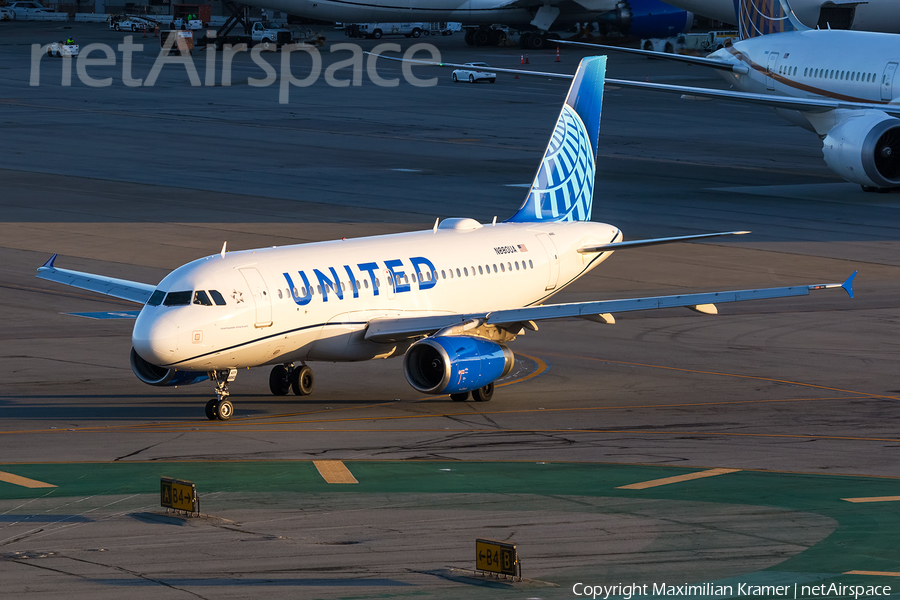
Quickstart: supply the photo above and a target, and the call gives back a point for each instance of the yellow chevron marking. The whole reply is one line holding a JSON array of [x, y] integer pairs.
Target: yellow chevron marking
[[679, 478], [23, 481], [334, 471]]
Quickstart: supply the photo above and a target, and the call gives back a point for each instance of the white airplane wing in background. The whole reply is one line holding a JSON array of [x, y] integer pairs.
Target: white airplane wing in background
[[108, 286], [691, 60], [771, 100]]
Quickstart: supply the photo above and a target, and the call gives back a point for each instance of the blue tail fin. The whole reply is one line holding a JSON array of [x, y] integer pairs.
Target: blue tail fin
[[762, 17], [563, 188]]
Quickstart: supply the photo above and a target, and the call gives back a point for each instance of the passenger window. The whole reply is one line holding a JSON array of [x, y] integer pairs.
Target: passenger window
[[530, 265], [465, 271], [366, 283], [502, 268], [358, 286], [217, 298], [444, 274], [517, 265], [480, 270], [279, 294], [319, 289], [178, 298], [156, 298], [495, 268], [457, 273], [201, 298]]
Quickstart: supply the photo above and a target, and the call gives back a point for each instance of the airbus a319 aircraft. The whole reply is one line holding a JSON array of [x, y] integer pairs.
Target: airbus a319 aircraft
[[448, 299]]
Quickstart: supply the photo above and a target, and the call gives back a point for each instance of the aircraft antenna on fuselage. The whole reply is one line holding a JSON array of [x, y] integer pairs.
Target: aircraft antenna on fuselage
[[436, 220], [223, 249]]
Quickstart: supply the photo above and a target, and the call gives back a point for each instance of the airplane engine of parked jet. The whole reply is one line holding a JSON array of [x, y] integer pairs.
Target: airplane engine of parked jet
[[866, 150]]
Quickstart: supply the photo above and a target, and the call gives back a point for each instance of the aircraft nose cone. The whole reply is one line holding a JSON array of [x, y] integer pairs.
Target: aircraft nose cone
[[155, 338]]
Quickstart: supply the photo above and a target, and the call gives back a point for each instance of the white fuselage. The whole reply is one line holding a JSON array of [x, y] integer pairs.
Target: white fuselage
[[873, 15], [852, 66], [313, 301]]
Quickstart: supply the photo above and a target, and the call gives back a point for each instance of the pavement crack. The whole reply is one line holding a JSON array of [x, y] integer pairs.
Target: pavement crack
[[147, 448], [30, 564], [133, 574]]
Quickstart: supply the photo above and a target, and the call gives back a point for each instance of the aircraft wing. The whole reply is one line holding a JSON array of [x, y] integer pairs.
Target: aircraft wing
[[108, 286], [691, 60], [771, 100], [392, 330]]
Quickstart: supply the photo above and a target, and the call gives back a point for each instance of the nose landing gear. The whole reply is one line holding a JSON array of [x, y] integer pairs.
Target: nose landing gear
[[221, 407]]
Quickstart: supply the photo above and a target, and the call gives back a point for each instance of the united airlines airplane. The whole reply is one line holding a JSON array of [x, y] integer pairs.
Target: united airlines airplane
[[448, 299], [841, 85]]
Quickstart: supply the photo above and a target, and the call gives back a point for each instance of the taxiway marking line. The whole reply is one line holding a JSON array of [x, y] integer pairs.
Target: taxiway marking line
[[877, 573], [676, 479], [334, 471], [874, 499], [23, 481], [218, 425], [736, 375], [565, 431]]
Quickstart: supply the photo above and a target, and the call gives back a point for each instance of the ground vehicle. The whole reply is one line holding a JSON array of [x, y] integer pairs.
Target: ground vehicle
[[270, 34], [6, 14], [25, 10], [376, 30], [61, 49], [442, 28], [473, 74], [129, 23]]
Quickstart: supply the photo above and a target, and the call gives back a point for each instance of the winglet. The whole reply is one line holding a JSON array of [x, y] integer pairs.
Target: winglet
[[793, 18], [49, 263], [848, 285]]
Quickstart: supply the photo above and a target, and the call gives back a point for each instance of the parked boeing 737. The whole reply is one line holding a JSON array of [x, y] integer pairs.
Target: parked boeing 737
[[448, 299]]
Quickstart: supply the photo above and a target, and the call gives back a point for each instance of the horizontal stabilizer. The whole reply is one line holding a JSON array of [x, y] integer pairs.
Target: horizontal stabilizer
[[123, 289], [655, 242]]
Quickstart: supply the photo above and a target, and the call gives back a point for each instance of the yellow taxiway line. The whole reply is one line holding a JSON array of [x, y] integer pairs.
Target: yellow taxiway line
[[876, 573], [677, 479], [334, 471], [23, 481], [874, 499]]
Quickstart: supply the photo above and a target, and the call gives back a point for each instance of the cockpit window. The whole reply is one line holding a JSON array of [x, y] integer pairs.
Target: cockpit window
[[201, 298], [156, 298], [217, 297], [178, 298]]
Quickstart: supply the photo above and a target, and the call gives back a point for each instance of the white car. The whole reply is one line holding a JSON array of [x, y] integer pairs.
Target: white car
[[476, 72], [26, 10], [61, 49]]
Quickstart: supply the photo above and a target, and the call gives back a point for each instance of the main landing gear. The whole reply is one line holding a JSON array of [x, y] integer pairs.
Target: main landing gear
[[285, 378], [482, 394], [221, 407]]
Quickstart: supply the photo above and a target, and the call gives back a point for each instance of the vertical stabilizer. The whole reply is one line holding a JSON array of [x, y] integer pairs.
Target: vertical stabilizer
[[762, 17], [563, 188]]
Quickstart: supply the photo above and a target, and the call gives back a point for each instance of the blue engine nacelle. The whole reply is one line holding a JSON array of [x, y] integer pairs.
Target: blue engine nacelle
[[453, 364], [153, 375], [653, 19]]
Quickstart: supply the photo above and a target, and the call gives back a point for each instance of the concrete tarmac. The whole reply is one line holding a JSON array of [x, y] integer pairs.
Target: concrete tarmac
[[132, 182]]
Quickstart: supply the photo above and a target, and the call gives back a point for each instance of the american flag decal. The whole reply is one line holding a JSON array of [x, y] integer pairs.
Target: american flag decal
[[522, 248]]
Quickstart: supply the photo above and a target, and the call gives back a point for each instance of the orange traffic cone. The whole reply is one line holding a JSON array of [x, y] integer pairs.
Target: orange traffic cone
[[522, 60], [145, 31], [557, 54], [156, 31], [526, 60]]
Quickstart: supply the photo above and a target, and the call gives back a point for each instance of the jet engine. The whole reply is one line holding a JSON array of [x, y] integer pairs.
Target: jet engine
[[866, 150], [452, 364], [153, 375], [652, 19]]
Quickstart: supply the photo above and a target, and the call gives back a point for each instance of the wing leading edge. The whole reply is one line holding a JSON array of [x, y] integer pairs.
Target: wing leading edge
[[132, 291], [392, 330]]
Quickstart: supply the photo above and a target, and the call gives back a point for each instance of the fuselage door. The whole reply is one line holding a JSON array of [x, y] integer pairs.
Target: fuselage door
[[261, 297], [553, 257], [773, 64], [389, 284], [887, 81]]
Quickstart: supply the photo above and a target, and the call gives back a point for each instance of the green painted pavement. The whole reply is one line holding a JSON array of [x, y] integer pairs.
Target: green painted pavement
[[865, 539]]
